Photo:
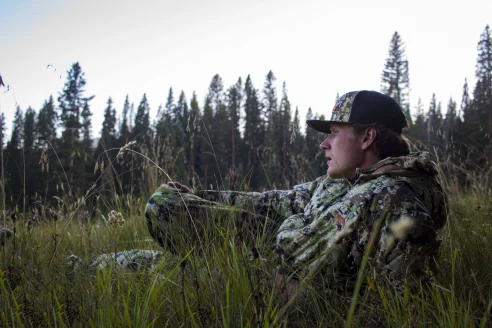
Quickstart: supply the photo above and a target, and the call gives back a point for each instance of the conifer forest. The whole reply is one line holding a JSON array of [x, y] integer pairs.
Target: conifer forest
[[239, 136]]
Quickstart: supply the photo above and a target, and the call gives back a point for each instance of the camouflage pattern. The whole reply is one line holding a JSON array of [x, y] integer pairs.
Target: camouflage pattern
[[326, 224], [129, 261], [343, 107]]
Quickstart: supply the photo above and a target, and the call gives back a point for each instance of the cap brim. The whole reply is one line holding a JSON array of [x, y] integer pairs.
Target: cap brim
[[322, 126]]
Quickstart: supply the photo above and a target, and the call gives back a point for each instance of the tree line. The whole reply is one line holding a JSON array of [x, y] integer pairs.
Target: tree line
[[241, 137]]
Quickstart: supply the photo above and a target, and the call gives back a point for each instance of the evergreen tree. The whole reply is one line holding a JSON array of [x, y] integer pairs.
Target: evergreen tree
[[449, 123], [124, 162], [178, 131], [296, 155], [484, 61], [234, 99], [45, 181], [104, 173], [195, 152], [87, 129], [181, 113], [210, 136], [46, 124], [285, 117], [14, 178], [108, 131], [166, 135], [482, 103], [395, 81], [272, 147], [253, 135], [270, 104], [71, 103], [309, 149], [16, 139], [433, 124], [465, 103], [30, 162], [143, 135], [141, 131], [418, 130], [124, 136]]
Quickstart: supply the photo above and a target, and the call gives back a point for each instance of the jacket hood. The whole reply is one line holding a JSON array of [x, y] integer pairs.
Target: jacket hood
[[413, 165]]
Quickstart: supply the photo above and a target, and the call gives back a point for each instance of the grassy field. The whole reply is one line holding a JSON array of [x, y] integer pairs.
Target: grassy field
[[223, 283]]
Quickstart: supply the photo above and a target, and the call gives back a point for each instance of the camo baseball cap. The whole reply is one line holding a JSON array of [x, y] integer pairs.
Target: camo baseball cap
[[364, 107]]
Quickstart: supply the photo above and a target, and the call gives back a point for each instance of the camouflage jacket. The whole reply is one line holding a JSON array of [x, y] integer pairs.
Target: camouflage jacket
[[326, 224]]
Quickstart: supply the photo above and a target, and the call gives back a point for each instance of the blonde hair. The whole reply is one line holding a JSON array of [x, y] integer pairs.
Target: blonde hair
[[388, 142]]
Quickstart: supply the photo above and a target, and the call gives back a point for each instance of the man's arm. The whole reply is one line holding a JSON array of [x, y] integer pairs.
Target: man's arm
[[274, 203]]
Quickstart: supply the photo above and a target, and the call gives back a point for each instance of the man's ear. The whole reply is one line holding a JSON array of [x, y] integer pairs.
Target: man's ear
[[369, 138]]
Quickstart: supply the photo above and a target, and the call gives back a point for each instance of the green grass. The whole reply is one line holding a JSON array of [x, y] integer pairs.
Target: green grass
[[223, 284]]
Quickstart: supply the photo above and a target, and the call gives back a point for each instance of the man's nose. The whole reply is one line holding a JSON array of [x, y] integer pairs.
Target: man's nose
[[325, 144]]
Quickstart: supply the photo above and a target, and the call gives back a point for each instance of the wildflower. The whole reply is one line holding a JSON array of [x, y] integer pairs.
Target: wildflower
[[114, 219]]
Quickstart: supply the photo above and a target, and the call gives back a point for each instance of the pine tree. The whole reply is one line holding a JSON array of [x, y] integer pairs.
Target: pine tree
[[17, 136], [141, 129], [166, 135], [296, 146], [272, 148], [211, 138], [28, 155], [433, 123], [87, 129], [46, 124], [449, 123], [143, 135], [253, 135], [108, 131], [395, 80], [85, 166], [178, 130], [484, 61], [14, 177], [309, 149], [124, 135], [482, 102], [234, 99], [285, 117], [71, 103], [418, 130], [46, 141], [104, 175], [195, 163], [465, 103]]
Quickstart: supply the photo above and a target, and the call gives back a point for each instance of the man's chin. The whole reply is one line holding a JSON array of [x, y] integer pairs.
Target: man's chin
[[332, 174], [338, 175]]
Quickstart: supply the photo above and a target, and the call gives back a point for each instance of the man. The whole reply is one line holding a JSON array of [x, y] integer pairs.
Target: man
[[373, 186]]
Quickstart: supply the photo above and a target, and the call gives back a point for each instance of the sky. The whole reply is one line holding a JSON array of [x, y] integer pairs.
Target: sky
[[318, 47]]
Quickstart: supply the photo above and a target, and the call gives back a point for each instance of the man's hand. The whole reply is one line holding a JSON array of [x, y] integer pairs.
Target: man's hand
[[180, 187]]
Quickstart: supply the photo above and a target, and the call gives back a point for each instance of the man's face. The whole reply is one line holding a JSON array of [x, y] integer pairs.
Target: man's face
[[343, 151]]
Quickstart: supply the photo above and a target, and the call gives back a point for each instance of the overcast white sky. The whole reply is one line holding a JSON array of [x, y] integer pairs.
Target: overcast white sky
[[318, 47]]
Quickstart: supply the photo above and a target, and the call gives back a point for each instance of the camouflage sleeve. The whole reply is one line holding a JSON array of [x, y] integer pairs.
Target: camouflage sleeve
[[274, 203], [171, 214]]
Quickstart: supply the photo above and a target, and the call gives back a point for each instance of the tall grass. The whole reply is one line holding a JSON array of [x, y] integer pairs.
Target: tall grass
[[223, 280]]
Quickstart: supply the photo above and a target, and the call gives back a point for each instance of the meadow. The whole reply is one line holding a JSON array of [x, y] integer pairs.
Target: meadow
[[221, 281]]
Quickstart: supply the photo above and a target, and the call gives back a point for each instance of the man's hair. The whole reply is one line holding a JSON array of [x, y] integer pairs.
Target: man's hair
[[388, 143]]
